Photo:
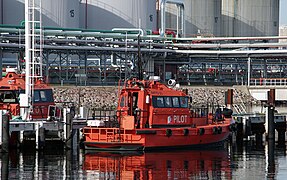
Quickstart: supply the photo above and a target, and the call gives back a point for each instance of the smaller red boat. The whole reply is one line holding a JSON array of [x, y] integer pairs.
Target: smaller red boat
[[13, 84], [151, 115]]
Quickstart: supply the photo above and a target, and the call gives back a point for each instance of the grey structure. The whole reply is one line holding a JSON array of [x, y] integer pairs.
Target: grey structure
[[225, 18], [250, 17], [108, 14], [56, 13], [201, 17], [1, 12], [102, 58]]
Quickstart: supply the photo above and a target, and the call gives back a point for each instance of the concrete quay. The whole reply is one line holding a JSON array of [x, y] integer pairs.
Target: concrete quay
[[107, 96]]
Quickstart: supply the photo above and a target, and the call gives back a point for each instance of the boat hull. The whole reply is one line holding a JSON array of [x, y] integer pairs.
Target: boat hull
[[155, 139]]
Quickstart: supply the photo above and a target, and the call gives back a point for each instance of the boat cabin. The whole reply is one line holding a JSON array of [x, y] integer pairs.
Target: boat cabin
[[151, 104], [13, 84]]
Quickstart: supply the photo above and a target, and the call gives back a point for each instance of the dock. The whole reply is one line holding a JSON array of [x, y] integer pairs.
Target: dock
[[66, 129]]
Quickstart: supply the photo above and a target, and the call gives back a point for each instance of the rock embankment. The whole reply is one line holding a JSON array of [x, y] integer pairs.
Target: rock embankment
[[107, 97]]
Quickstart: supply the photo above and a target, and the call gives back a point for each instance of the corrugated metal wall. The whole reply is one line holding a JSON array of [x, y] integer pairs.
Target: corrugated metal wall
[[61, 13], [57, 13], [201, 16], [209, 17], [1, 11], [250, 17], [108, 14]]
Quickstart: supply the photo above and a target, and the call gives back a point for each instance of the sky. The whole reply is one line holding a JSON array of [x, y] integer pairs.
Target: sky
[[283, 13]]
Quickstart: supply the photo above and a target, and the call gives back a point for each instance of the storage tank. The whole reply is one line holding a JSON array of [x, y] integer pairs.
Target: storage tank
[[108, 14], [250, 17], [1, 12], [201, 16], [56, 13]]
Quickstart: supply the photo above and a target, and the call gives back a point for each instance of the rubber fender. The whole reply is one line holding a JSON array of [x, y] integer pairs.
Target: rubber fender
[[201, 131], [232, 128], [219, 130], [185, 132], [145, 132], [168, 132], [214, 130]]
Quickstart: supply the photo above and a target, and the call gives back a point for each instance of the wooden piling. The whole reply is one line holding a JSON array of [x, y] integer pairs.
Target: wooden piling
[[271, 105], [68, 131], [271, 159], [4, 166], [42, 138], [229, 98], [5, 133]]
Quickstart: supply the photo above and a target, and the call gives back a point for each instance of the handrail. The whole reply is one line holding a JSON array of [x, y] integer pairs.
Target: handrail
[[261, 82], [126, 30]]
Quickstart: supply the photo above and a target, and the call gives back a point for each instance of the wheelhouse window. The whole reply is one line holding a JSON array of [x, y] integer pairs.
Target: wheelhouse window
[[169, 102], [183, 102], [37, 96], [8, 97], [122, 103], [159, 102], [43, 95], [175, 102]]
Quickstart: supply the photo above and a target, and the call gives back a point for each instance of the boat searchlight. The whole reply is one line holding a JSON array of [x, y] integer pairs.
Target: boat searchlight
[[154, 78], [171, 82]]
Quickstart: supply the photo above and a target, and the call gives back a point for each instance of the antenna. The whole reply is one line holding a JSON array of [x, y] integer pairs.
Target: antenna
[[140, 70]]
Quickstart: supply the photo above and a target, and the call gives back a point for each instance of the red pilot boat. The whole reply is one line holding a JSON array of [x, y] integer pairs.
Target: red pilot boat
[[151, 115], [213, 164]]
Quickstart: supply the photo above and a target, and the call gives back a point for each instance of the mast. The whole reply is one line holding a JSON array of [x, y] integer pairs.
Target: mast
[[33, 53]]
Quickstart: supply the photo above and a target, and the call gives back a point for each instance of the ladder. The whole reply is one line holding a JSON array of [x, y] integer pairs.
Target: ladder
[[33, 50], [240, 107]]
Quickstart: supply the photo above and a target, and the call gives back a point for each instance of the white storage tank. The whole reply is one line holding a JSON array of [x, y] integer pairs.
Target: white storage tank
[[109, 14], [201, 16], [1, 12], [56, 13], [250, 17]]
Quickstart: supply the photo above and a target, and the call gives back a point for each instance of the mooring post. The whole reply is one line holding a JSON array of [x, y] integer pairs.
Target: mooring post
[[68, 129], [21, 137], [271, 161], [75, 140], [4, 165], [4, 120], [271, 107], [239, 130], [42, 137], [229, 98], [228, 104], [271, 129], [37, 135]]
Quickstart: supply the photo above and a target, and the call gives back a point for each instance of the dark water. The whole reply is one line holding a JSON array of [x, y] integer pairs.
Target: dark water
[[233, 162]]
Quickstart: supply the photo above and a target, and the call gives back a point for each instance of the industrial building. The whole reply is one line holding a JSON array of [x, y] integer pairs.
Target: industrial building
[[180, 39]]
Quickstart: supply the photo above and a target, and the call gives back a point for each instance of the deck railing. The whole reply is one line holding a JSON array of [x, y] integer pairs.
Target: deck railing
[[110, 135], [261, 82]]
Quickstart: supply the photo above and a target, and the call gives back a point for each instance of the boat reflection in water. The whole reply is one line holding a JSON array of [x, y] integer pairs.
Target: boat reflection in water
[[159, 165]]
